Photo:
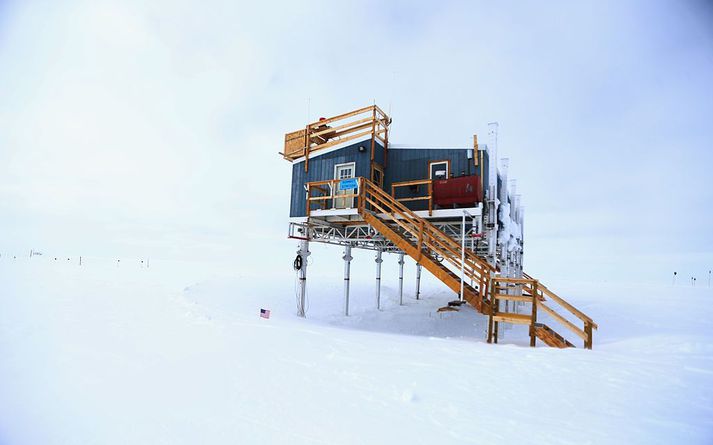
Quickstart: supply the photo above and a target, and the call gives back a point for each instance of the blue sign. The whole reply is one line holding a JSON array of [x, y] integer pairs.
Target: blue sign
[[348, 184]]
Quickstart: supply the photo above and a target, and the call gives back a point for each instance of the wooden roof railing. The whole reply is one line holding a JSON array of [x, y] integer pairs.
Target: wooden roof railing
[[324, 133]]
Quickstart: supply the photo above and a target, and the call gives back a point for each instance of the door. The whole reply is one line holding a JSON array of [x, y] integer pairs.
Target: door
[[438, 169], [343, 171]]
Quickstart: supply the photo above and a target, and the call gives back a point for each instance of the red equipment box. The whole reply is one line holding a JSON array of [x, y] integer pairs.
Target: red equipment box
[[464, 190]]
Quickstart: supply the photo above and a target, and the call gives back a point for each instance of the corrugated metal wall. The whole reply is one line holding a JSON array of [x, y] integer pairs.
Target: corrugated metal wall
[[321, 168], [405, 164], [410, 164]]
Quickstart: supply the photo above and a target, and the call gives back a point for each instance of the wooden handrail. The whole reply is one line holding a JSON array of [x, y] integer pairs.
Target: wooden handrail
[[341, 116], [537, 293], [562, 320], [320, 135], [426, 234], [576, 312], [437, 243], [433, 230], [340, 127], [429, 192]]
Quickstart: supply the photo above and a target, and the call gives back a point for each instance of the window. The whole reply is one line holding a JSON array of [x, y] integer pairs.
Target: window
[[377, 175], [438, 169], [344, 171]]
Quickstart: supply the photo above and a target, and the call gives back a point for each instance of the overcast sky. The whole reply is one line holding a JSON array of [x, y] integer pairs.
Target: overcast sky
[[152, 128]]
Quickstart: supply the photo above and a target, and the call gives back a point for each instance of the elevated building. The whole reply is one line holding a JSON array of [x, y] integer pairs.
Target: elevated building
[[452, 209]]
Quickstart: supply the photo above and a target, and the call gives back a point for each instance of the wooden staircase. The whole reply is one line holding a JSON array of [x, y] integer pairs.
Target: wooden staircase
[[424, 256], [550, 337], [446, 260]]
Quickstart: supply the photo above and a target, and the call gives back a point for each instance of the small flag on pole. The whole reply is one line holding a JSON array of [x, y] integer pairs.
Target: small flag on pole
[[264, 313]]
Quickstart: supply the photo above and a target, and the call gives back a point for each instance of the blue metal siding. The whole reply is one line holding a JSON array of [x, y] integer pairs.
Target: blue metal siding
[[404, 164], [321, 168], [410, 164]]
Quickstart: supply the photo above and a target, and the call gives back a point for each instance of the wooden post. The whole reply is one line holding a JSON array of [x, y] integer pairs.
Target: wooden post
[[307, 143], [386, 147], [588, 331], [373, 133], [360, 198], [430, 198], [533, 317], [373, 143], [420, 241], [475, 149]]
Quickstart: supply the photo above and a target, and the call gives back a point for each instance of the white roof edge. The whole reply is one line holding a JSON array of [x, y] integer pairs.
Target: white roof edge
[[391, 147], [424, 147], [333, 148]]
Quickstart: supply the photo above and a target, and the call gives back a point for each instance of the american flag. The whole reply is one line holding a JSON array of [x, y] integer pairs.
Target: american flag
[[264, 313]]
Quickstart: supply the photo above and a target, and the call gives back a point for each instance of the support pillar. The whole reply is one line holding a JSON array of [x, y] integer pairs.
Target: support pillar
[[401, 278], [303, 252], [378, 278], [347, 261], [418, 281], [462, 257]]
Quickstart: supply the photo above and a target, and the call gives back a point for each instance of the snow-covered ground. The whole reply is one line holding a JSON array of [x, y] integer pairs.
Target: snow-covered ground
[[116, 353]]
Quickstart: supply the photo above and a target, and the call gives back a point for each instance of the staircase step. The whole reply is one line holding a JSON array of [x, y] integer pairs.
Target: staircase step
[[524, 298], [550, 337], [509, 317], [425, 243]]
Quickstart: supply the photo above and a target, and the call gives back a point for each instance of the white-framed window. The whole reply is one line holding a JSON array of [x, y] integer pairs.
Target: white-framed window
[[439, 169], [344, 171]]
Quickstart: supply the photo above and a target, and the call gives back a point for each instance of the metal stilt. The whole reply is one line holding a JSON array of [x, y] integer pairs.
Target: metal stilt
[[303, 252], [401, 278], [418, 281], [378, 278], [347, 260]]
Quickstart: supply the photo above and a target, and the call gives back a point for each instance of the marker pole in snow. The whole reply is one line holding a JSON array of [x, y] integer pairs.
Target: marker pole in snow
[[401, 278], [674, 279], [418, 281], [378, 278], [709, 278], [347, 260]]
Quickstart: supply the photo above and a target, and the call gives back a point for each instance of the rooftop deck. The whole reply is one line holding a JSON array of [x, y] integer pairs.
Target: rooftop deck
[[369, 122]]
